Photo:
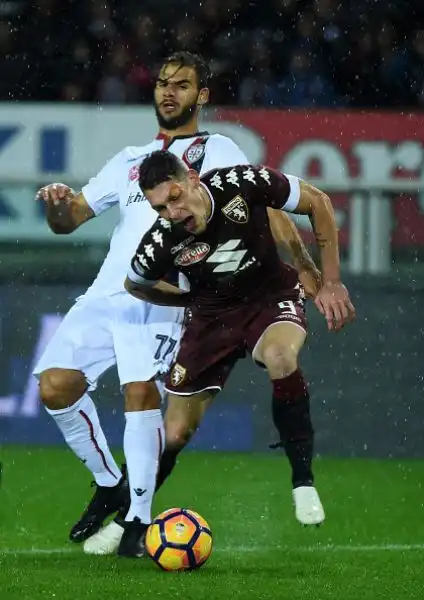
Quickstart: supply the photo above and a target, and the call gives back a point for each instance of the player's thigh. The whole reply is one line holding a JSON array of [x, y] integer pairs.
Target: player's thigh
[[144, 347], [184, 414], [82, 342], [206, 356], [277, 334]]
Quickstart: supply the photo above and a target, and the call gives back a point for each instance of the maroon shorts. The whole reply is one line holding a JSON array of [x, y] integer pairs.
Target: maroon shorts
[[211, 345]]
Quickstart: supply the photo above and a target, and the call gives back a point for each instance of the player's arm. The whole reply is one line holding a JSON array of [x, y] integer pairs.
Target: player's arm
[[294, 195], [333, 299], [65, 210], [159, 292], [317, 205], [151, 262], [287, 236]]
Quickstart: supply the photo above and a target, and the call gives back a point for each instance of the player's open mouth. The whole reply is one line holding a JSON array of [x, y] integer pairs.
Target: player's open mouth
[[189, 223], [169, 106]]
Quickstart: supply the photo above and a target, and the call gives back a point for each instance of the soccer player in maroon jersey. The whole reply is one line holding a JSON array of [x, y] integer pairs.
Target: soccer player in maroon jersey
[[216, 231]]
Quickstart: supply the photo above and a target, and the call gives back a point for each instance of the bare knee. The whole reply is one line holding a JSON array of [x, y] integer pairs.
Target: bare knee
[[184, 415], [280, 360], [60, 388], [179, 433], [141, 395]]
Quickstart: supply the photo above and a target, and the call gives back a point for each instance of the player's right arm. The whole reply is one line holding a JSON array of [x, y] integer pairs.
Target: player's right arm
[[150, 264], [67, 210]]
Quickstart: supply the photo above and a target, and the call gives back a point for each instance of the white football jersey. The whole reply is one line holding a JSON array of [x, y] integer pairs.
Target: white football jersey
[[117, 183]]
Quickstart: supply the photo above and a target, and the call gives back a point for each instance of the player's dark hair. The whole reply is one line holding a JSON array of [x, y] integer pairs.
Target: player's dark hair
[[194, 61], [160, 166]]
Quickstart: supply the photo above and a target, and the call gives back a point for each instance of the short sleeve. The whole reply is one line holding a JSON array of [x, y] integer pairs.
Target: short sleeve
[[101, 192], [278, 190], [153, 259]]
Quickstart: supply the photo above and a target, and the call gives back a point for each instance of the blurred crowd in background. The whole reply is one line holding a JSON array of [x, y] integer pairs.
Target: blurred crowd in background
[[270, 53]]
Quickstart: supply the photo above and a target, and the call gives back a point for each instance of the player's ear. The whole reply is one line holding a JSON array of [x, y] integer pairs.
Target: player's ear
[[193, 178], [203, 97]]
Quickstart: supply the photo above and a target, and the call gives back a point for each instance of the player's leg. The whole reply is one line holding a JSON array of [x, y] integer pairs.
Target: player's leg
[[145, 339], [200, 372], [182, 419], [278, 349], [70, 361], [143, 447]]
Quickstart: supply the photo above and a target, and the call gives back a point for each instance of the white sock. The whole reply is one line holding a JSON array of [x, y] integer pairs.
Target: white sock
[[143, 445], [80, 426]]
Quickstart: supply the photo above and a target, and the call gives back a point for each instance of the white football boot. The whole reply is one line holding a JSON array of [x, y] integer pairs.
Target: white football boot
[[105, 541], [308, 507]]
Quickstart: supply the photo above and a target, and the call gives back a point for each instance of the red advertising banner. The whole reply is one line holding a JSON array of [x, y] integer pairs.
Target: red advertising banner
[[364, 148]]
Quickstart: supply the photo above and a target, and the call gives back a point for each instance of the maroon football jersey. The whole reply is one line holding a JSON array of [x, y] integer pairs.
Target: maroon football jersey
[[235, 259]]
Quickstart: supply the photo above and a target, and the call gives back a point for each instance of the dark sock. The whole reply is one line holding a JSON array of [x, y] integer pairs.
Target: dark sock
[[167, 464], [291, 415]]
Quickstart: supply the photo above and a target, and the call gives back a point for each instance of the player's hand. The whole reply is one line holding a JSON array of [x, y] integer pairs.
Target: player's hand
[[311, 281], [334, 303], [55, 193]]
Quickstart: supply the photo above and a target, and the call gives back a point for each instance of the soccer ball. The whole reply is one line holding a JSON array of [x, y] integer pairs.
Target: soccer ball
[[179, 540]]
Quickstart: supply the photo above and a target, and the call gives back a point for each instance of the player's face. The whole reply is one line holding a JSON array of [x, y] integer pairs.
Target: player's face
[[176, 96], [184, 203]]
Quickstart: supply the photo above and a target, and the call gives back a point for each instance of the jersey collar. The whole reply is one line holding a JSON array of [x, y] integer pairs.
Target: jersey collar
[[168, 141], [211, 199]]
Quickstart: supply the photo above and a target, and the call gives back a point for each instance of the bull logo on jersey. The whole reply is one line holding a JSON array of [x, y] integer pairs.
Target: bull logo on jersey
[[178, 374], [192, 254], [194, 153], [237, 210]]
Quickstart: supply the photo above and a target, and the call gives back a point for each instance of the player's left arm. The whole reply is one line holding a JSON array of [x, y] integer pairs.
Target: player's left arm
[[287, 236], [332, 299], [291, 194]]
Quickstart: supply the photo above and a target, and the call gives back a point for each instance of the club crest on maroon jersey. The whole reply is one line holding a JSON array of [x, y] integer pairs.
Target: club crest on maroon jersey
[[237, 210], [192, 254], [178, 374]]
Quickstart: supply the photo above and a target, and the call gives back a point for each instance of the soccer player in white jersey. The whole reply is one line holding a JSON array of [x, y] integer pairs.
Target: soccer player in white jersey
[[107, 326]]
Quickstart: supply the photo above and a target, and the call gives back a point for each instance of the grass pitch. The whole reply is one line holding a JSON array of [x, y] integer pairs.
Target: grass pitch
[[371, 546]]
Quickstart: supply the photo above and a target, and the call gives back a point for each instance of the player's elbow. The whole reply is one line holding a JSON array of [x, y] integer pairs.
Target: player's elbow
[[320, 201], [129, 285], [60, 229], [135, 289], [313, 201]]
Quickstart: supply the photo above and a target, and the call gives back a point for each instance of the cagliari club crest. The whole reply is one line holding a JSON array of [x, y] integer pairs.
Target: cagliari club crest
[[237, 210], [194, 153], [178, 374]]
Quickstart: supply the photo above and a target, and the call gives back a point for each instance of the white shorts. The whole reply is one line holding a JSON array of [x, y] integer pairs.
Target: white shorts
[[97, 333]]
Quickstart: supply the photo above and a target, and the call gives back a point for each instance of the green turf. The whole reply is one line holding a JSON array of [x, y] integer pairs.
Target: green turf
[[373, 507]]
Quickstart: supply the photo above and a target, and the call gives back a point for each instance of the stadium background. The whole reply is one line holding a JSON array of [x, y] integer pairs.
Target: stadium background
[[333, 93], [330, 90]]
